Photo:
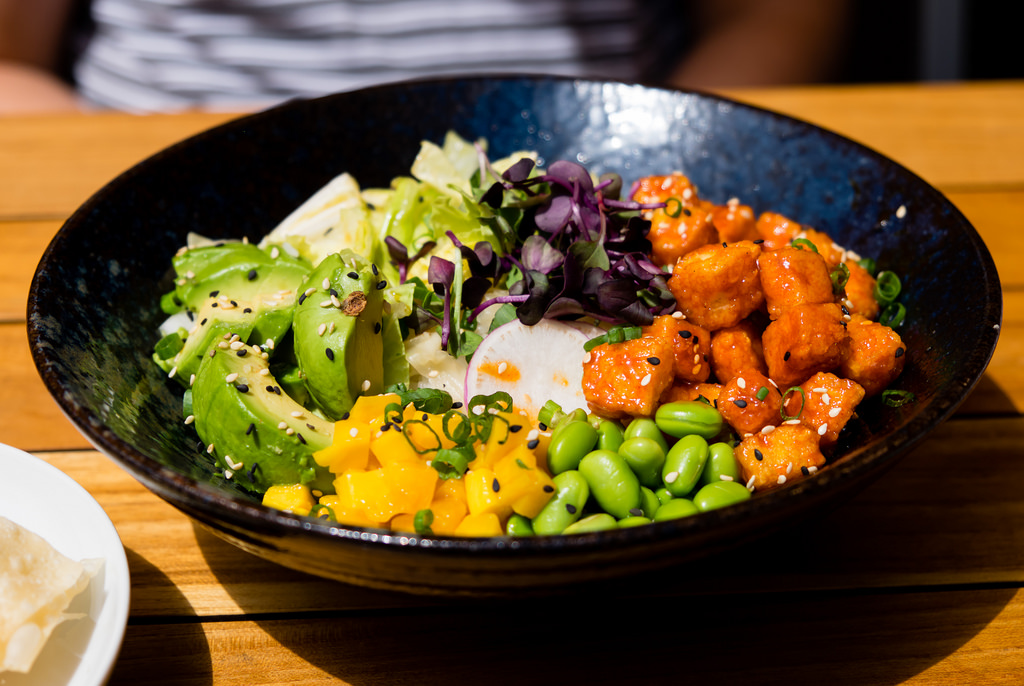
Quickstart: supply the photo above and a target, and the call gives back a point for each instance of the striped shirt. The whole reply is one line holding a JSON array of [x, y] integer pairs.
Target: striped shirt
[[167, 55]]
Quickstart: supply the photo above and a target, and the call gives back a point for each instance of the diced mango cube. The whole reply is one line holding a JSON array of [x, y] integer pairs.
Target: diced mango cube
[[295, 498], [482, 524]]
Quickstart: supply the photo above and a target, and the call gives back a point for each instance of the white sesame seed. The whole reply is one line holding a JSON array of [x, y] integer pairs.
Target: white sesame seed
[[191, 379], [767, 429], [231, 463], [812, 470], [740, 381], [237, 345], [189, 419], [671, 477], [228, 473], [825, 398], [210, 449], [322, 329], [792, 422], [834, 412], [297, 413], [823, 429], [353, 432], [275, 253], [366, 385], [901, 211], [282, 425], [782, 479], [309, 291], [289, 431], [587, 357], [330, 329], [725, 477], [819, 389], [433, 373], [533, 435], [270, 343], [326, 303], [264, 372], [677, 315], [170, 374], [335, 301], [750, 482], [223, 345], [326, 284], [646, 380], [230, 378], [789, 468]]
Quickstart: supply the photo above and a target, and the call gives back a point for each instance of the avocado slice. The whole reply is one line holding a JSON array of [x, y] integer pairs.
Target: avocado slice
[[337, 332], [235, 289], [254, 430]]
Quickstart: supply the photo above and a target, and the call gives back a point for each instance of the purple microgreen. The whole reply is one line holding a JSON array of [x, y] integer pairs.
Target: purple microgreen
[[538, 255]]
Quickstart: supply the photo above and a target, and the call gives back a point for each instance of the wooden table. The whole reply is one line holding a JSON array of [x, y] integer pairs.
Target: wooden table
[[916, 580]]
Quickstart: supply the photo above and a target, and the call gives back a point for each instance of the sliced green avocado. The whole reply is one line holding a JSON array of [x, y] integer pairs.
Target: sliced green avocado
[[235, 289], [337, 332], [253, 429]]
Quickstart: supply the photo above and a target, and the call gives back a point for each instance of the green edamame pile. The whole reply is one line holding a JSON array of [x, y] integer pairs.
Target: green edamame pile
[[610, 476]]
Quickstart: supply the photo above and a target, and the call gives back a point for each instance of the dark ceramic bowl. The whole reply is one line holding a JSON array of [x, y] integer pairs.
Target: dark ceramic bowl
[[93, 314]]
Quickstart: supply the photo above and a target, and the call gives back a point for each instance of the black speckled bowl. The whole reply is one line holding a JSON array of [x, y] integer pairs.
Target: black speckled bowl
[[93, 314]]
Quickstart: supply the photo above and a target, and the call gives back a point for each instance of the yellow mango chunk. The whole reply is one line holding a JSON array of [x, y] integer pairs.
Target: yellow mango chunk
[[481, 495], [349, 450], [345, 515], [484, 524], [369, 409], [524, 486], [294, 498]]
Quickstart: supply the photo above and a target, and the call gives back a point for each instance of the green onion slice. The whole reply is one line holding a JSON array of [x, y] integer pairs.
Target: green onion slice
[[840, 276], [422, 521], [785, 396], [762, 393], [893, 315], [803, 243], [673, 207], [897, 398], [887, 287], [322, 512]]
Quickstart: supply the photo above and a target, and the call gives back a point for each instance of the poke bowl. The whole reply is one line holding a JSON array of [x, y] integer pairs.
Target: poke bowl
[[240, 181]]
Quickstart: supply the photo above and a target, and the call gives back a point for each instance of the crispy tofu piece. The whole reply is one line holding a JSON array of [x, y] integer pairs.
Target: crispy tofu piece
[[717, 285], [804, 340], [749, 402], [860, 291], [736, 349], [688, 390], [684, 224], [627, 379], [827, 403], [691, 343], [734, 222], [792, 276], [776, 230], [875, 356], [831, 251], [788, 453]]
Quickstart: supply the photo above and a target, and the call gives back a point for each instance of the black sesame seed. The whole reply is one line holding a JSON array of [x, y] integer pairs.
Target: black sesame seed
[[386, 426], [376, 327], [696, 340], [234, 303], [570, 508], [685, 334], [346, 415], [242, 352], [515, 428], [785, 358], [759, 241], [213, 305], [334, 293], [425, 416], [456, 405], [374, 268], [740, 402], [310, 427], [899, 352], [542, 426], [724, 244], [758, 454], [636, 512], [252, 427], [302, 298], [330, 354], [353, 275], [546, 489], [805, 471], [214, 294], [270, 389], [203, 323], [252, 275], [654, 361], [301, 439], [532, 445], [242, 388], [247, 310], [381, 285], [495, 486]]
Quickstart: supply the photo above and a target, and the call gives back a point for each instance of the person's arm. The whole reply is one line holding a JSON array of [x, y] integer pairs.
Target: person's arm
[[31, 32], [746, 43]]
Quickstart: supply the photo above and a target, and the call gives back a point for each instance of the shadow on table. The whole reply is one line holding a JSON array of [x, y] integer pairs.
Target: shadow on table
[[877, 591], [170, 645]]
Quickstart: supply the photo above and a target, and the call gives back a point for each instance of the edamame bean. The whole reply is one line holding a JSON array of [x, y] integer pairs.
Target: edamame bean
[[518, 525], [664, 495], [612, 483], [689, 417], [675, 509], [683, 465], [633, 521], [569, 443], [720, 494], [649, 502], [641, 427], [565, 507], [645, 457], [609, 435], [721, 462], [602, 521]]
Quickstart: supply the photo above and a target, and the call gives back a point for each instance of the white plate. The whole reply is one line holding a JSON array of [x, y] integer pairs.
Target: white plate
[[46, 501]]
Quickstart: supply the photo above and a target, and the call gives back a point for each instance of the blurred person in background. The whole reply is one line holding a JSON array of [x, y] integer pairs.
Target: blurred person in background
[[239, 55]]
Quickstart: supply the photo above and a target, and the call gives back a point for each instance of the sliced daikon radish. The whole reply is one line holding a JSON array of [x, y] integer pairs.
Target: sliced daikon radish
[[533, 364]]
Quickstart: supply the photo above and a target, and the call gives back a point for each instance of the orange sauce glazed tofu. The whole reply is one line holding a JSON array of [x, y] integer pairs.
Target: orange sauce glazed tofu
[[875, 355], [860, 291], [804, 340], [750, 402], [785, 454], [684, 224], [691, 343], [717, 285], [736, 349], [734, 222], [825, 404], [627, 379], [792, 276], [776, 230]]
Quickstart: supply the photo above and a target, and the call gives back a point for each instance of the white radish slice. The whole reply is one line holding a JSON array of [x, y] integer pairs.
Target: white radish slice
[[533, 364]]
